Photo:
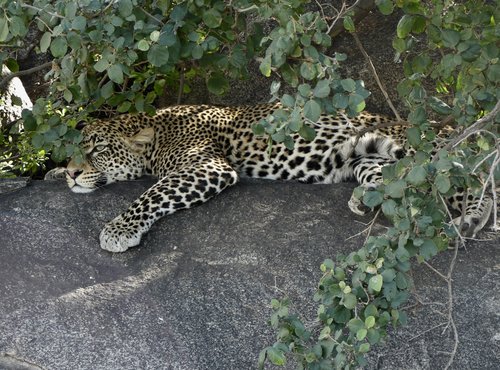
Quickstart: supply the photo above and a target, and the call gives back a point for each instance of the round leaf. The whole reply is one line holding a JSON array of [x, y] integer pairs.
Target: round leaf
[[312, 110], [59, 47], [212, 18], [375, 283], [115, 74], [350, 301], [417, 175], [369, 322], [158, 55], [442, 183], [322, 89], [45, 42]]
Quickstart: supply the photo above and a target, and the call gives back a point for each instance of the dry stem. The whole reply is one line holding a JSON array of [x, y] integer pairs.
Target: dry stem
[[375, 74]]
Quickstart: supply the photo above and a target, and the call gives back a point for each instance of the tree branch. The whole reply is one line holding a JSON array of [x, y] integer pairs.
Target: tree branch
[[25, 72], [375, 74], [478, 125], [361, 9]]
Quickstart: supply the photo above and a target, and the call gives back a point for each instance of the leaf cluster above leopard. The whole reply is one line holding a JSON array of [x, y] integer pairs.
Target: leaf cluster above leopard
[[198, 151]]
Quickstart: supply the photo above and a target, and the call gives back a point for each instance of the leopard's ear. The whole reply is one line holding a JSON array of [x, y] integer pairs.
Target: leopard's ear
[[138, 141]]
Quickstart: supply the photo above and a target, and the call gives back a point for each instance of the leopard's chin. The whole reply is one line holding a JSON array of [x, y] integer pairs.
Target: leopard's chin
[[81, 190]]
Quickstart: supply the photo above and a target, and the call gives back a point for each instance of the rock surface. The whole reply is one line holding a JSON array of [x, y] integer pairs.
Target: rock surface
[[196, 293]]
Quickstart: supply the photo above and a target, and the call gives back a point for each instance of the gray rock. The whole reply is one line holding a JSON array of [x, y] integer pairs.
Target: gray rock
[[196, 293]]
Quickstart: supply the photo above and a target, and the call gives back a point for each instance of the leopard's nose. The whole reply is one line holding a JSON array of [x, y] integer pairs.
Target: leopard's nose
[[74, 173]]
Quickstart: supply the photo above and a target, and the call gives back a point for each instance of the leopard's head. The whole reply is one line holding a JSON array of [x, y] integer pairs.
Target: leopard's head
[[112, 152]]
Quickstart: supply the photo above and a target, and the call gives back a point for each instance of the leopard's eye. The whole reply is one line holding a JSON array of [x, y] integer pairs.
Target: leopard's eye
[[99, 148]]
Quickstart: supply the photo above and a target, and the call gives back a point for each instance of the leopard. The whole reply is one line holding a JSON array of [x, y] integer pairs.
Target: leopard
[[197, 151]]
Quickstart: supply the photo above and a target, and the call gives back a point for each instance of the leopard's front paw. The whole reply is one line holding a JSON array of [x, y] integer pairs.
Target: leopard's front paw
[[117, 236], [357, 206]]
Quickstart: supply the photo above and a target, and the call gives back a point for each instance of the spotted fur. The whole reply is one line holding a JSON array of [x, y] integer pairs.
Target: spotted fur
[[198, 151]]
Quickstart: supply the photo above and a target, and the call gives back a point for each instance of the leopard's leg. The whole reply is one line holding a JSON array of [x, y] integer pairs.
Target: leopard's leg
[[368, 173], [189, 186], [477, 212]]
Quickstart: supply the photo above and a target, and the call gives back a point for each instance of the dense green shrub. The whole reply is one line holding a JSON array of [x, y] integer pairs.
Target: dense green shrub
[[361, 294]]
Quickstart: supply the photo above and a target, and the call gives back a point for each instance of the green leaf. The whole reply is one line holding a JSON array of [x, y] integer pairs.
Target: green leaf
[[258, 129], [373, 336], [417, 175], [348, 84], [414, 136], [322, 89], [70, 10], [375, 283], [4, 29], [45, 42], [361, 334], [405, 25], [349, 24], [450, 38], [115, 74], [59, 47], [288, 101], [372, 198], [365, 347], [265, 67], [158, 55], [101, 65], [276, 356], [439, 106], [386, 7], [79, 23], [356, 103], [197, 52], [307, 71], [304, 90], [212, 18], [442, 183], [37, 141], [340, 101], [370, 322], [308, 133], [143, 45], [107, 90], [262, 359], [388, 275], [125, 8], [350, 301], [428, 249], [355, 324], [418, 116], [17, 27], [312, 110], [389, 208], [395, 189]]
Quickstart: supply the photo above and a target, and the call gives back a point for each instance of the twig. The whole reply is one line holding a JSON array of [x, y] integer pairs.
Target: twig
[[436, 271], [375, 74], [368, 229], [472, 129], [360, 8], [457, 229], [25, 72], [42, 10], [152, 16], [426, 331]]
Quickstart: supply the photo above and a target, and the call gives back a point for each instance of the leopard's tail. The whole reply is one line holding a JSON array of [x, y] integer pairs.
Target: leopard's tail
[[370, 144]]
